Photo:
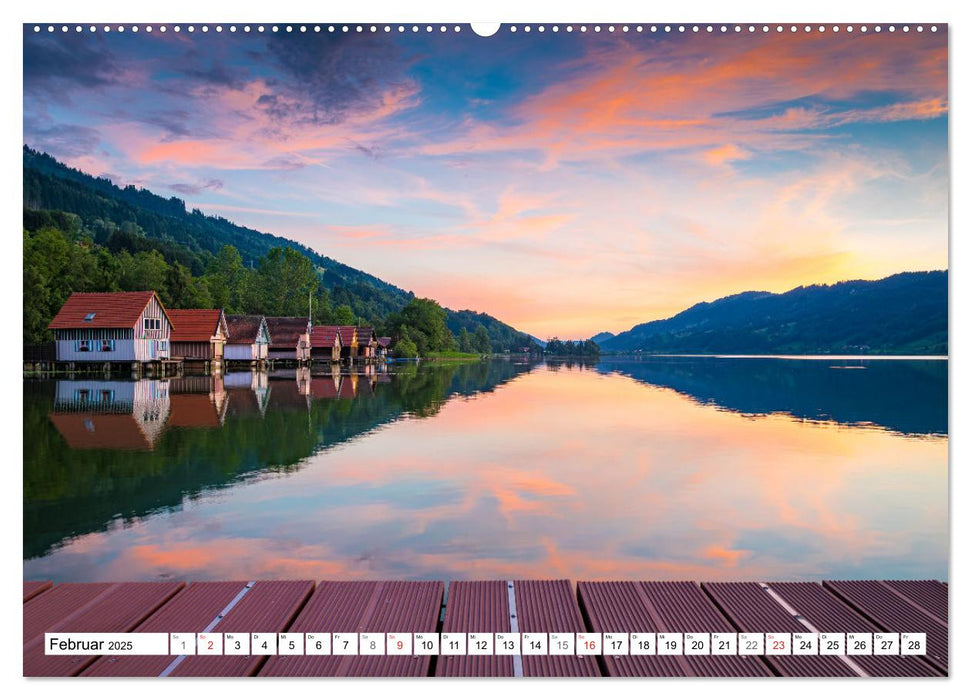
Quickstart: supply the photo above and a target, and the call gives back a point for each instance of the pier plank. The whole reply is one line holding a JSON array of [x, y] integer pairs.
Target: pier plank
[[929, 595], [43, 613], [270, 606], [35, 588], [476, 606], [119, 607], [893, 613], [485, 606], [751, 609], [190, 610], [551, 606], [363, 606], [827, 613], [674, 606]]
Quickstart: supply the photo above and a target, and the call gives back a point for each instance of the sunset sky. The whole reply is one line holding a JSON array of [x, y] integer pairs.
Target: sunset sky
[[566, 183]]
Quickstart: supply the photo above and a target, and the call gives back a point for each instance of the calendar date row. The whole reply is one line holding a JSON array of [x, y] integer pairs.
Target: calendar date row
[[491, 643]]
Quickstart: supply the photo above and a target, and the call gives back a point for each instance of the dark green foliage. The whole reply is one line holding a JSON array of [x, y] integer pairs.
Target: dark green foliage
[[58, 262], [502, 338], [129, 229], [899, 315], [569, 348], [421, 323], [191, 238]]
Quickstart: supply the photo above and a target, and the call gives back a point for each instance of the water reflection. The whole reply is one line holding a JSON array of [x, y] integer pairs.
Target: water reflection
[[84, 461], [909, 396], [575, 471]]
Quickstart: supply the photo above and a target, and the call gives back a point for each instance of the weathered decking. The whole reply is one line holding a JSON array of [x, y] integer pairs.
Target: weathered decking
[[486, 606]]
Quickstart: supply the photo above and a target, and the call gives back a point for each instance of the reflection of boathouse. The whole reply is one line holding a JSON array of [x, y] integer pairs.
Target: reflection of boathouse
[[326, 386], [288, 392], [111, 415], [247, 393], [197, 402]]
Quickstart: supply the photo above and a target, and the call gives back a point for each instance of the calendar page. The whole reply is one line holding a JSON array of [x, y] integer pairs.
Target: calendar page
[[428, 350]]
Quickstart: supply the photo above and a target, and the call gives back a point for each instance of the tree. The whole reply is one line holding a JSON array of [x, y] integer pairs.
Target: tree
[[177, 281], [143, 272], [480, 340], [225, 279], [465, 341], [286, 281], [424, 320], [343, 316], [405, 348]]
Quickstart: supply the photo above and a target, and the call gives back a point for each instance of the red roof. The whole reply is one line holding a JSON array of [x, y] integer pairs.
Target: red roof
[[348, 336], [194, 325], [105, 309], [384, 341], [364, 335], [286, 330], [324, 336], [243, 329]]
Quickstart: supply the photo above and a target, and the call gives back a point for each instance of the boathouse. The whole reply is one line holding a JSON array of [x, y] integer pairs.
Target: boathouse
[[384, 346], [348, 335], [248, 339], [112, 327], [289, 338], [198, 335], [367, 343], [325, 344]]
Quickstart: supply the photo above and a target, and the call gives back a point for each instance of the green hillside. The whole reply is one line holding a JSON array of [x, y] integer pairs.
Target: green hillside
[[904, 314], [153, 238]]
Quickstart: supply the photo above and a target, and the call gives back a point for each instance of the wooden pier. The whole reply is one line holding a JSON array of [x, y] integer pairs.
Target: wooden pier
[[486, 606]]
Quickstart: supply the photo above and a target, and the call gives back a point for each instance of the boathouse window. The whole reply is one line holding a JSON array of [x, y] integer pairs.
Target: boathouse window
[[83, 346], [153, 324], [107, 346], [90, 316]]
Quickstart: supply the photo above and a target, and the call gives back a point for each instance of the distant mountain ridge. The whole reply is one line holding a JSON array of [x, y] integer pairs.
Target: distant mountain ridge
[[191, 237], [602, 337], [904, 314]]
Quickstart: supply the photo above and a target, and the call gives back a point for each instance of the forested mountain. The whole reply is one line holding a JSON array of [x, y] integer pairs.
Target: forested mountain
[[118, 236], [899, 315]]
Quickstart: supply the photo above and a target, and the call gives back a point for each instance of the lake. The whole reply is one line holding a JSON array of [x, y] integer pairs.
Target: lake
[[695, 468]]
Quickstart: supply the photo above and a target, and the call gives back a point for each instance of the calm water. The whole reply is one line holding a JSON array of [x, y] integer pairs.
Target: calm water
[[666, 468]]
